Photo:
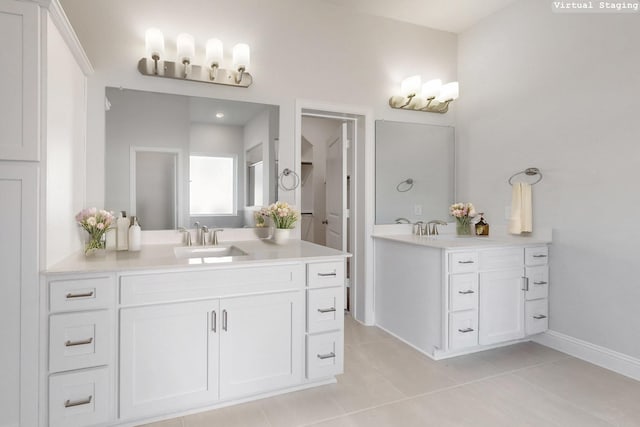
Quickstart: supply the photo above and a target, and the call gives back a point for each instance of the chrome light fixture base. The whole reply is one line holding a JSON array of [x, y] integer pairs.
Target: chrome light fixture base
[[194, 73], [415, 103]]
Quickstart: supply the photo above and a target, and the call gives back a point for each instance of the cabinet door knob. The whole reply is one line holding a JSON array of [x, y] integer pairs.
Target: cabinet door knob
[[468, 291], [465, 330], [214, 321], [69, 343], [539, 316], [525, 283], [224, 320]]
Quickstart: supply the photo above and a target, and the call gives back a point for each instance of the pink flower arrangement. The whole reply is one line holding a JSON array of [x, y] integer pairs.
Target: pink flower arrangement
[[96, 223], [462, 212], [283, 215]]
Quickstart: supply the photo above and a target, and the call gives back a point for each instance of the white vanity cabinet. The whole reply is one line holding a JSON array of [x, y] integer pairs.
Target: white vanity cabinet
[[447, 301], [242, 335]]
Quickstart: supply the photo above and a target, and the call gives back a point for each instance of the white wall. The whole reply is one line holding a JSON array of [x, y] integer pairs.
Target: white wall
[[560, 92], [300, 50], [65, 148]]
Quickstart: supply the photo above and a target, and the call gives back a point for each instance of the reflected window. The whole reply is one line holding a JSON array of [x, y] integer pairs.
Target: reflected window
[[212, 185]]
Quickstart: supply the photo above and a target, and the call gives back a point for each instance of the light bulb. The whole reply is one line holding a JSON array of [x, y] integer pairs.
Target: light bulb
[[431, 89], [154, 43], [241, 56], [410, 86], [448, 92], [214, 52], [186, 48]]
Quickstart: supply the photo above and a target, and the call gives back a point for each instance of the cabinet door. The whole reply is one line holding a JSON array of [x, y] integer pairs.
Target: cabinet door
[[501, 306], [261, 341], [168, 357], [19, 114]]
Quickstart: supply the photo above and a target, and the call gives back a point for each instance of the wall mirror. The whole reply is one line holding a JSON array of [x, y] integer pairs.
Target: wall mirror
[[173, 160], [414, 172]]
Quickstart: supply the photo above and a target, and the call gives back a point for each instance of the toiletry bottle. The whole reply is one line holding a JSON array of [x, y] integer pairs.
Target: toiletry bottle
[[134, 235], [112, 237], [122, 236], [482, 227]]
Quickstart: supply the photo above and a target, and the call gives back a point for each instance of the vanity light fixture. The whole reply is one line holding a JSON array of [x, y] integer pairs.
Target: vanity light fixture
[[434, 97], [154, 64]]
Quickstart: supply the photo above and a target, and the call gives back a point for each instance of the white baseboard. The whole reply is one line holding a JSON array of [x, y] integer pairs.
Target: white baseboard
[[601, 356]]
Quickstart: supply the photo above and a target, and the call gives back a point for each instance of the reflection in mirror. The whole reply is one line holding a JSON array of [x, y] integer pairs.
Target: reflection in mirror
[[173, 160], [414, 172]]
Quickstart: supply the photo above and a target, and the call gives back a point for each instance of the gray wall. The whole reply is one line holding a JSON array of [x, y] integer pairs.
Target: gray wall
[[560, 92]]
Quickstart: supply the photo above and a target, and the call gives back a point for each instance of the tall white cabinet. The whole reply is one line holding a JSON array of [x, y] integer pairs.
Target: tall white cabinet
[[29, 62]]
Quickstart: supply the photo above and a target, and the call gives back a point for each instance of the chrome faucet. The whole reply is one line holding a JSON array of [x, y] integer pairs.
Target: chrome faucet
[[214, 235], [187, 236], [203, 235], [433, 230], [418, 228], [402, 221]]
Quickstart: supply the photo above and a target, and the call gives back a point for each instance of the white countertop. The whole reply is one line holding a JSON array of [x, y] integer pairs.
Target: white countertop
[[162, 257], [467, 242]]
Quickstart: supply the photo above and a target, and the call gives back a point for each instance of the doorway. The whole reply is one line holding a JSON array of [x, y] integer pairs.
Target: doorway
[[326, 167]]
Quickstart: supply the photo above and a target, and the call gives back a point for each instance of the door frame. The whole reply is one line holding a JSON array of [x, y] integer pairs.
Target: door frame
[[362, 189], [135, 149]]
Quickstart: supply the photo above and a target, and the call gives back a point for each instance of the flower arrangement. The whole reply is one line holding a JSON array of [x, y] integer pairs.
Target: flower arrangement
[[96, 223], [283, 215], [259, 217], [462, 212]]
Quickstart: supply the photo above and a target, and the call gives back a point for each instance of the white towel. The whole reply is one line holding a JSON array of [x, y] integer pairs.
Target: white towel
[[521, 213]]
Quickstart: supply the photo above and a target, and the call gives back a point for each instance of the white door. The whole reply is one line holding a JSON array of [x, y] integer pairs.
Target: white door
[[336, 190], [261, 342], [168, 357], [501, 306]]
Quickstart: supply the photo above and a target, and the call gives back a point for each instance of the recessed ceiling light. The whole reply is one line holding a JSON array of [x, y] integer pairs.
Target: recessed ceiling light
[[219, 115]]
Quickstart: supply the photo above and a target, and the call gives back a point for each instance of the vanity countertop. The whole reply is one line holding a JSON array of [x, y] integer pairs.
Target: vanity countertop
[[454, 242], [162, 257]]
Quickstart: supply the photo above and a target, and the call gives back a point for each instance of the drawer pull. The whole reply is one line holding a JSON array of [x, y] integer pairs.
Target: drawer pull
[[525, 283], [540, 256], [327, 356], [465, 330], [466, 262], [327, 310], [70, 404], [84, 295], [468, 291], [332, 274], [539, 316], [74, 343], [224, 320], [214, 320], [540, 283]]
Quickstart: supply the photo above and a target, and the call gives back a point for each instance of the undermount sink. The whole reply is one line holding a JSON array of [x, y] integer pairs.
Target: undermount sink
[[207, 251]]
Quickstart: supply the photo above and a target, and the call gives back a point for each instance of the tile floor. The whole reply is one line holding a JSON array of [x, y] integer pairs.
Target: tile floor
[[386, 383]]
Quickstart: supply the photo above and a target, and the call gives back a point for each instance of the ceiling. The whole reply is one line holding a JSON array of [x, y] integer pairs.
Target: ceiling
[[447, 15]]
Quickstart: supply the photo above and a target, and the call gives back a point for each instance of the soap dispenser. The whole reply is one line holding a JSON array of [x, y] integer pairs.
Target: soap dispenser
[[122, 235], [482, 227], [134, 235]]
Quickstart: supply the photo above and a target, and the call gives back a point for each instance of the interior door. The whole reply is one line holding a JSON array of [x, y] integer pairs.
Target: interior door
[[336, 190]]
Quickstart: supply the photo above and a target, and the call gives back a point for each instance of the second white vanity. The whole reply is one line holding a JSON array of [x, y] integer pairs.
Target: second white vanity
[[135, 337], [448, 296]]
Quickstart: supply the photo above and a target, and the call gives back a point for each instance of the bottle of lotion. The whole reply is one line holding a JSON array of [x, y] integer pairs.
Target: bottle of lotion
[[122, 228], [134, 235]]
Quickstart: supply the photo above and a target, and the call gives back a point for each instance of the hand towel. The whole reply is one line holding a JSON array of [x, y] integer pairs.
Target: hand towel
[[521, 212]]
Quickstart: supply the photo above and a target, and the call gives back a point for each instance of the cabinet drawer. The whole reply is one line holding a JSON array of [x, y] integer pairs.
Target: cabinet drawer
[[325, 309], [81, 294], [191, 285], [463, 329], [79, 340], [538, 282], [498, 259], [79, 398], [536, 316], [463, 262], [325, 354], [463, 292], [536, 256], [325, 274]]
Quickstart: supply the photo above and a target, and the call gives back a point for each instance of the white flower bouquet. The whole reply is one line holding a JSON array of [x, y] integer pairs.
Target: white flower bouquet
[[96, 223]]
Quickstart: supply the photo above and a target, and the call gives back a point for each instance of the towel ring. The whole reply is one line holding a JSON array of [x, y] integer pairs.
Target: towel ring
[[528, 172], [287, 172], [409, 182]]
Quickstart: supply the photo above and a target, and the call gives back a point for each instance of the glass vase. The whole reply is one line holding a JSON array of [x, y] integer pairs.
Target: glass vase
[[463, 227], [95, 245]]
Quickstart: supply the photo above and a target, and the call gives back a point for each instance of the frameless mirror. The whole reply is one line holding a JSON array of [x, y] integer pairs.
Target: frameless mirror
[[173, 160], [414, 172]]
